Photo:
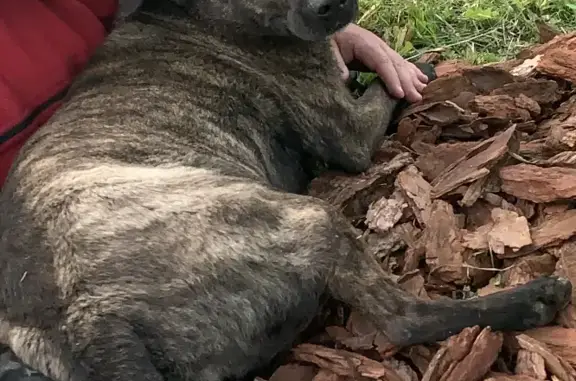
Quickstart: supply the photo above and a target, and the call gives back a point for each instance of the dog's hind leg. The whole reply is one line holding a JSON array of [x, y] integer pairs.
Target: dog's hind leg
[[360, 282], [41, 351], [111, 350]]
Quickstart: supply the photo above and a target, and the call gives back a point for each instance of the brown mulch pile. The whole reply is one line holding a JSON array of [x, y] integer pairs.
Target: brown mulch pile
[[471, 196]]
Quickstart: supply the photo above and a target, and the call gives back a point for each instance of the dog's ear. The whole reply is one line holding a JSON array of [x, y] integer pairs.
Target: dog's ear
[[127, 7]]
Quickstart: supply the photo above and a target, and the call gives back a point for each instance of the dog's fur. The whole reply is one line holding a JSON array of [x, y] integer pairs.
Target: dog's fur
[[155, 228]]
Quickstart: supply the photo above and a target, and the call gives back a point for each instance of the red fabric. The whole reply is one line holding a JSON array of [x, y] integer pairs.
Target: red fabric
[[43, 45]]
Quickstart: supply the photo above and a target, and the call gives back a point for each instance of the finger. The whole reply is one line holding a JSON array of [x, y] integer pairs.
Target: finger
[[408, 80], [384, 67], [418, 83], [340, 60], [407, 77]]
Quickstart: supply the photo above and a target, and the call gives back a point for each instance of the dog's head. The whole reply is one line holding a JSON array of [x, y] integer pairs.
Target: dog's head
[[308, 20]]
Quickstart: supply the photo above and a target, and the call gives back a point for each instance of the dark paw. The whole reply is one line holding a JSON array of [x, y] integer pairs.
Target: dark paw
[[539, 301], [428, 70]]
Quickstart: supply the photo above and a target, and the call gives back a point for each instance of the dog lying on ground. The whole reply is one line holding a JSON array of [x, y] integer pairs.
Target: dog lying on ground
[[156, 229]]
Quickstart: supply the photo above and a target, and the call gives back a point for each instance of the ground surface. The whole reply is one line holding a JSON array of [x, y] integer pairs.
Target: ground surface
[[478, 30]]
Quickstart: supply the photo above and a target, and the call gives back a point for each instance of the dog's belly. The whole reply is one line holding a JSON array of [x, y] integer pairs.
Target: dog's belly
[[203, 267]]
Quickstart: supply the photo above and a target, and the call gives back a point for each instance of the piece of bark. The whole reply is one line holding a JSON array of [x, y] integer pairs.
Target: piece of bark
[[533, 151], [403, 370], [566, 265], [530, 364], [496, 284], [451, 68], [416, 192], [434, 159], [294, 372], [407, 130], [478, 215], [341, 189], [559, 63], [562, 135], [553, 230], [326, 375], [562, 159], [554, 364], [344, 363], [548, 59], [453, 350], [361, 327], [477, 239], [543, 91], [486, 78], [563, 115], [442, 240], [509, 230], [383, 214], [420, 356], [561, 341], [474, 165], [477, 363], [479, 128], [519, 109], [444, 114], [474, 191], [446, 88], [466, 356], [567, 317], [381, 245], [528, 268], [493, 376], [527, 208], [472, 79], [431, 57], [413, 282], [355, 343]]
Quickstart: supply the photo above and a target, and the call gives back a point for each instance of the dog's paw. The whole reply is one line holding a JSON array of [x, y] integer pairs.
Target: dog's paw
[[428, 70], [540, 300]]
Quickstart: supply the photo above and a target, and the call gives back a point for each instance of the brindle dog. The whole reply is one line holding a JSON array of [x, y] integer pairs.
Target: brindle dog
[[156, 229]]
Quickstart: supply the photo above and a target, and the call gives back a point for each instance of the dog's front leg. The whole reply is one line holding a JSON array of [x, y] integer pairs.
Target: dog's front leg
[[356, 137], [360, 282]]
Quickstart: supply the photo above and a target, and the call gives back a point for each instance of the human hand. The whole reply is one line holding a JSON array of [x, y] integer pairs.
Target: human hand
[[355, 44]]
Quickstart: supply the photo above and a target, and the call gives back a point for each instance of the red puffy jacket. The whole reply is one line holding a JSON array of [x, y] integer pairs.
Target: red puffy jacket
[[43, 45]]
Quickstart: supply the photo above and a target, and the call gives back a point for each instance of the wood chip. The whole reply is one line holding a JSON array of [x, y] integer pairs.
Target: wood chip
[[345, 363], [538, 184], [416, 192], [443, 242], [467, 356], [473, 166], [561, 341], [530, 364]]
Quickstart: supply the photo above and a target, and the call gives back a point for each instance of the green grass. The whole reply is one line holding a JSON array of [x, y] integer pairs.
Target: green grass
[[478, 31]]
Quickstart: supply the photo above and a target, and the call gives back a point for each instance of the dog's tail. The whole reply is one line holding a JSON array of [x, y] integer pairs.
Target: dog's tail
[[42, 351]]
